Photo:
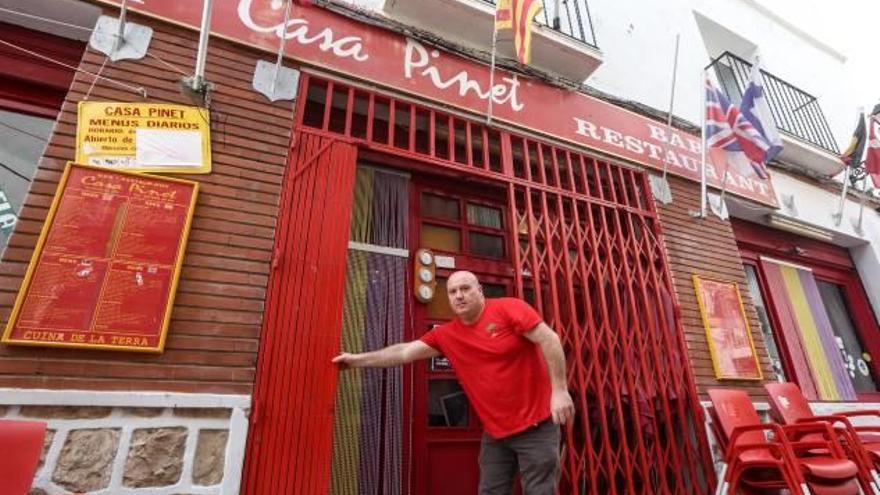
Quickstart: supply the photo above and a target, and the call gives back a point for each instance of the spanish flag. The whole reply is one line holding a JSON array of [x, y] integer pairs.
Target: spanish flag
[[518, 15]]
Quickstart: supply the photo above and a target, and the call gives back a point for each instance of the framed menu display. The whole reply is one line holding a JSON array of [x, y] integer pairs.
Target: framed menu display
[[727, 330], [104, 271]]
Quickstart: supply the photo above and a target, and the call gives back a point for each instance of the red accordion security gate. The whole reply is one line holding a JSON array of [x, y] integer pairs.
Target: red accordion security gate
[[591, 260], [586, 250]]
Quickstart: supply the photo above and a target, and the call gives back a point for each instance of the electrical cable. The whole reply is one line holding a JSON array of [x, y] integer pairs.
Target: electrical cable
[[95, 79]]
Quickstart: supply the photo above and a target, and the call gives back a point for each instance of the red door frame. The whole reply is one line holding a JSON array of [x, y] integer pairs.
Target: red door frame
[[490, 271], [829, 263]]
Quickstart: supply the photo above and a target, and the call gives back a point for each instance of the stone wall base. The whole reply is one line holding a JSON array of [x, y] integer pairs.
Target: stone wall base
[[192, 446]]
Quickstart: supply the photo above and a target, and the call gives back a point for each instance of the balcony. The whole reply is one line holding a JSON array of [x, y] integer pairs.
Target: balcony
[[568, 50], [807, 138]]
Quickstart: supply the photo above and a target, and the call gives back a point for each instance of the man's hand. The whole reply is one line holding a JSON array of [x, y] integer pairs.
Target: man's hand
[[345, 361], [561, 407]]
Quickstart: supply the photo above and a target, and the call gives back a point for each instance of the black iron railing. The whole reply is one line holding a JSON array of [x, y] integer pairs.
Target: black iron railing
[[795, 111], [574, 19]]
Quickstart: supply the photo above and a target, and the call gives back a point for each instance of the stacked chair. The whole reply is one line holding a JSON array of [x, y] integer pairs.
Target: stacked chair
[[804, 458], [861, 443], [21, 443]]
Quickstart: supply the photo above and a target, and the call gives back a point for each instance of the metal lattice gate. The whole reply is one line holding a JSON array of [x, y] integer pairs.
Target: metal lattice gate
[[596, 271]]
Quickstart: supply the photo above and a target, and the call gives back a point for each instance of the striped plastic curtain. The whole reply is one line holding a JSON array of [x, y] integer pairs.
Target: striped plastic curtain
[[808, 333], [367, 440]]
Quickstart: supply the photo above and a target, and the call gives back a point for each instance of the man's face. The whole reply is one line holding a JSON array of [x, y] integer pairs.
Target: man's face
[[465, 295]]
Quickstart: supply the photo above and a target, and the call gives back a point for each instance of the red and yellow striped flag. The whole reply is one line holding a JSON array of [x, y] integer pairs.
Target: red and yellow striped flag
[[518, 15]]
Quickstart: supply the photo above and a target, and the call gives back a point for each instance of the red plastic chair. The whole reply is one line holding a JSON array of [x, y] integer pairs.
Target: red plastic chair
[[862, 443], [21, 443], [754, 462]]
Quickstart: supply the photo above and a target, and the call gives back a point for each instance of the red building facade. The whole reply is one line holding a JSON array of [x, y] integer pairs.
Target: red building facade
[[304, 241]]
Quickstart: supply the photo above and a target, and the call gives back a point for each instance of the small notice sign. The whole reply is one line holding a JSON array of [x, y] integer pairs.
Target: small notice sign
[[440, 363], [105, 269], [144, 137]]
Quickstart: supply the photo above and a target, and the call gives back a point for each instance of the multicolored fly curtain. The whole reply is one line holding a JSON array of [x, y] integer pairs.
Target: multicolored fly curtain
[[808, 333], [367, 438]]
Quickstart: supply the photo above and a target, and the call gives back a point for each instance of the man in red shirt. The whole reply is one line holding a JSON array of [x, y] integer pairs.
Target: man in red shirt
[[512, 368]]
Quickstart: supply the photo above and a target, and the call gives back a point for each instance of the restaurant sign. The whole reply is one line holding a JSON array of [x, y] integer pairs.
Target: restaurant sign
[[144, 137], [104, 272], [330, 41]]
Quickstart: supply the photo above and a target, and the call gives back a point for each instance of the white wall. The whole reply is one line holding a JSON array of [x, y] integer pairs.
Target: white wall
[[638, 44]]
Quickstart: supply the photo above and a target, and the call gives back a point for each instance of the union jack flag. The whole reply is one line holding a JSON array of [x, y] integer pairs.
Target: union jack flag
[[728, 130]]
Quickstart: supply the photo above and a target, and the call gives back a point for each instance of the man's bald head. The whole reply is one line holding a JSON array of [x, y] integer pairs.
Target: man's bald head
[[465, 295], [463, 276]]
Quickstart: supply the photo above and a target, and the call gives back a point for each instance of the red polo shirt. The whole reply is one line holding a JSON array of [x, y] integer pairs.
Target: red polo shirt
[[503, 373]]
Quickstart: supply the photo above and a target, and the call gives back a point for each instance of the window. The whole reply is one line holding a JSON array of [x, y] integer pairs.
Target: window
[[855, 359], [447, 404], [22, 139], [455, 225], [727, 79], [436, 206], [441, 238], [764, 318]]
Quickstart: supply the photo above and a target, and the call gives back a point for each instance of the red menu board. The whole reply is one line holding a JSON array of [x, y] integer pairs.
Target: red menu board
[[727, 329], [105, 269]]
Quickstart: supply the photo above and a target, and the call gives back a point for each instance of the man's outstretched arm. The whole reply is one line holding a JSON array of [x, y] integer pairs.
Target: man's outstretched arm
[[561, 405], [392, 355]]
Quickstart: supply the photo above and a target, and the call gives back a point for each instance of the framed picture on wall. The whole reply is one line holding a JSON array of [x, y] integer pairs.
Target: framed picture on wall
[[727, 330]]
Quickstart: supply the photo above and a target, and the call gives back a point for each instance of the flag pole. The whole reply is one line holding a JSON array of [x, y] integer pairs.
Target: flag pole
[[703, 143], [672, 101], [862, 206], [839, 215], [492, 67], [556, 23], [723, 189]]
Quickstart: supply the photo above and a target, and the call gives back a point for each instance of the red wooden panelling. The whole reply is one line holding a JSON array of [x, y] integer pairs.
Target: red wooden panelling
[[705, 247], [292, 422]]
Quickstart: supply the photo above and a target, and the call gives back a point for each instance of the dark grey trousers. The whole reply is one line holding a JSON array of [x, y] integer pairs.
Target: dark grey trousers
[[534, 453]]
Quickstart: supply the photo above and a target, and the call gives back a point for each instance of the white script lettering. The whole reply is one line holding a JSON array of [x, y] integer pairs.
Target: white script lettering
[[298, 31], [612, 137], [418, 57]]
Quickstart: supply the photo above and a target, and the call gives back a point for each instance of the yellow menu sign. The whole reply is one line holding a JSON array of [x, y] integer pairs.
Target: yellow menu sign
[[144, 137]]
